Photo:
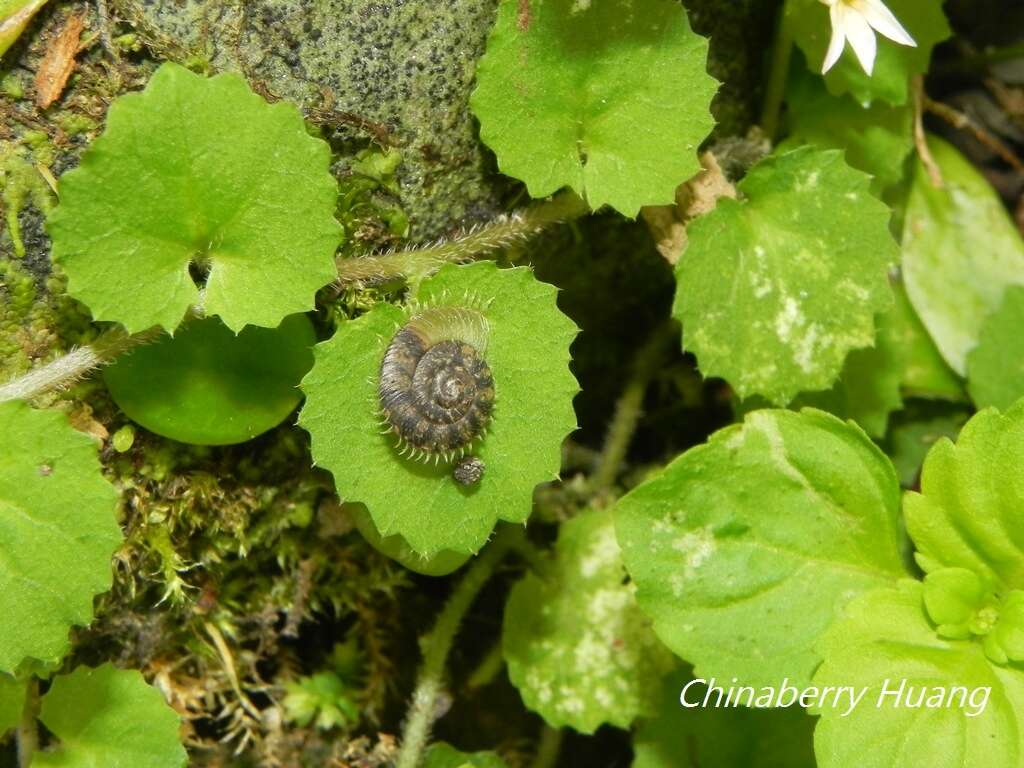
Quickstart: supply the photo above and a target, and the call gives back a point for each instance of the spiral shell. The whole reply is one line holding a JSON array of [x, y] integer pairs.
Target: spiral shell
[[436, 390]]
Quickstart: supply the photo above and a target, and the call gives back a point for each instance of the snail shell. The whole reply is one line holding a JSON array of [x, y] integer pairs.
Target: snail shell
[[436, 390]]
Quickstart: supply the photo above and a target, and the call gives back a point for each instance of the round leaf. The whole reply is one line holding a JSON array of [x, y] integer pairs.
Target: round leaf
[[109, 717], [201, 172], [775, 289], [398, 549], [611, 99], [995, 368], [207, 386], [578, 648], [745, 548], [58, 531], [528, 354]]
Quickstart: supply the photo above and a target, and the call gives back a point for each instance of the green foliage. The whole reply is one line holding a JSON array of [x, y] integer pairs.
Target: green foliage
[[109, 717], [12, 700], [995, 368], [57, 531], [895, 65], [577, 646], [610, 99], [14, 17], [744, 549], [740, 737], [527, 352], [886, 639], [201, 173], [322, 699], [775, 289], [964, 216], [398, 549], [968, 513], [441, 755], [925, 373], [207, 386]]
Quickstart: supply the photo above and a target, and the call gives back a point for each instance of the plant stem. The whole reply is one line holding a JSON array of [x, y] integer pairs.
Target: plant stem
[[776, 87], [28, 728], [628, 411], [419, 262], [74, 365], [548, 746], [437, 645]]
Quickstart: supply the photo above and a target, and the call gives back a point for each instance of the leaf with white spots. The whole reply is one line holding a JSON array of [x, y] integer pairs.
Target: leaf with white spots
[[578, 648], [744, 549], [776, 288]]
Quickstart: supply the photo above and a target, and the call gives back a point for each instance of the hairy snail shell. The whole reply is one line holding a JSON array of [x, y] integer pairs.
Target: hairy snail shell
[[436, 390]]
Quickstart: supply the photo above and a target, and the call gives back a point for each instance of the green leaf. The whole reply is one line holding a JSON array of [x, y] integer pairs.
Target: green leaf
[[876, 138], [442, 755], [577, 646], [207, 386], [528, 354], [12, 701], [14, 17], [109, 717], [201, 172], [952, 596], [925, 373], [745, 548], [965, 216], [885, 639], [970, 511], [610, 99], [995, 368], [58, 531], [398, 549], [708, 737], [894, 65], [775, 289], [914, 432]]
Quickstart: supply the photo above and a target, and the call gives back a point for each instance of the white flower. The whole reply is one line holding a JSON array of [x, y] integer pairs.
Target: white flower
[[857, 21]]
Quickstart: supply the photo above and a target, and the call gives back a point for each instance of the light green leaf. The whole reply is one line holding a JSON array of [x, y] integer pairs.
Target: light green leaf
[[894, 65], [611, 99], [12, 701], [995, 368], [58, 531], [398, 549], [876, 139], [707, 737], [577, 646], [528, 354], [442, 755], [959, 235], [745, 548], [201, 172], [14, 17], [111, 718], [207, 386], [775, 289], [925, 373], [885, 639], [970, 511]]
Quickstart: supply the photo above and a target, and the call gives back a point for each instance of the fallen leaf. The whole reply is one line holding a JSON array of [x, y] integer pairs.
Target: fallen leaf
[[59, 61]]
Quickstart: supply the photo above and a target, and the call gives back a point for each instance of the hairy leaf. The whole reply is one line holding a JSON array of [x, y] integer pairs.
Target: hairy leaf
[[528, 354], [203, 173], [610, 99], [109, 717], [58, 531], [774, 290], [744, 549], [957, 235], [886, 640], [995, 368], [970, 511], [578, 648]]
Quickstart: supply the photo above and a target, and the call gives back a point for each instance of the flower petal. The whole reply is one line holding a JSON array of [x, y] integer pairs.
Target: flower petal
[[835, 46], [862, 39], [882, 19]]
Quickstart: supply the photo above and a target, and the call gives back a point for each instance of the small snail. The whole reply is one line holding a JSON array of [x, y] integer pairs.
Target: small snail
[[436, 390]]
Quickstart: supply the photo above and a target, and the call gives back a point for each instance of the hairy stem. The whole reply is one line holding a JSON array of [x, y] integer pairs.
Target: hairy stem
[[776, 86], [28, 728], [417, 263], [73, 366], [437, 645], [628, 410]]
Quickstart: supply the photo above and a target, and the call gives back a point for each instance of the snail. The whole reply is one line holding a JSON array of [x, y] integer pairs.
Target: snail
[[436, 392]]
